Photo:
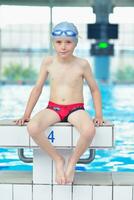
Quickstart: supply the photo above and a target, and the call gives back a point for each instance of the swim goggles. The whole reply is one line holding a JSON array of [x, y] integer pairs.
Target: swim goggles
[[67, 33]]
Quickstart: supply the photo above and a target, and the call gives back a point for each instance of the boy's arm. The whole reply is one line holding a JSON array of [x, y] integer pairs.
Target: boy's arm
[[95, 93], [35, 93]]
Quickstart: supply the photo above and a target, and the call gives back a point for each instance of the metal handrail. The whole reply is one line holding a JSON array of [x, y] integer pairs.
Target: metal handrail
[[23, 158], [92, 153]]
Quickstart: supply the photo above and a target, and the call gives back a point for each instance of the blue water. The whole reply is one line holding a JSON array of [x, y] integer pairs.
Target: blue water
[[118, 107]]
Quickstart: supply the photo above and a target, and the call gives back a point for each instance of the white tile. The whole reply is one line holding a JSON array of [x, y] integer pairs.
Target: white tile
[[62, 135], [82, 192], [62, 192], [14, 136], [5, 191], [66, 154], [122, 192], [42, 167], [58, 136], [105, 192], [21, 192], [42, 192], [133, 193], [103, 137], [32, 143]]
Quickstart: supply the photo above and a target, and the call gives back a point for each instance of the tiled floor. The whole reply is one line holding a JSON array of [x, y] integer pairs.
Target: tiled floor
[[87, 186]]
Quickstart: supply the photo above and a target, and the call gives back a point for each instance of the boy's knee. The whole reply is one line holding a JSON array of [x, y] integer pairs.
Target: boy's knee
[[89, 131], [33, 128]]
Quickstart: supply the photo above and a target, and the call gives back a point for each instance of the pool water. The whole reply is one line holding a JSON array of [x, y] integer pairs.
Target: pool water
[[118, 107]]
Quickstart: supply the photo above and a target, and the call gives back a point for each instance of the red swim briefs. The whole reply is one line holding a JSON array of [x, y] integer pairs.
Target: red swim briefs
[[65, 110]]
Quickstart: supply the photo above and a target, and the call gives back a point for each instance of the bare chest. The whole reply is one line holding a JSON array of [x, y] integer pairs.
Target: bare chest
[[65, 75]]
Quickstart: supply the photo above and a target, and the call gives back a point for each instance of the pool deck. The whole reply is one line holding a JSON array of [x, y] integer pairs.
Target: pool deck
[[81, 178]]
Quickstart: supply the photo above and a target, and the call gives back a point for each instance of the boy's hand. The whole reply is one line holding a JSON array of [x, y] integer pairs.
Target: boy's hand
[[98, 121], [21, 121]]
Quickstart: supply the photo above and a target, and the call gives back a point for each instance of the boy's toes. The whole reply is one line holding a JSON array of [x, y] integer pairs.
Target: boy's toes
[[58, 181], [61, 181]]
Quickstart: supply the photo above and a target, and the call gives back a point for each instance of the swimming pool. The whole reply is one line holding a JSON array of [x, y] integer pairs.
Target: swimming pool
[[118, 107]]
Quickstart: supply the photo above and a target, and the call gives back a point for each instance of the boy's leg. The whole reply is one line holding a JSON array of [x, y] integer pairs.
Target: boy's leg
[[81, 120], [37, 125]]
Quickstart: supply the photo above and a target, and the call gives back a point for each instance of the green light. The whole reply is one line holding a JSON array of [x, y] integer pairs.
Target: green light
[[103, 45]]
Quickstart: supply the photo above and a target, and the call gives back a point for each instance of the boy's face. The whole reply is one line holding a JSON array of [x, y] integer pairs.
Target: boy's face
[[64, 46]]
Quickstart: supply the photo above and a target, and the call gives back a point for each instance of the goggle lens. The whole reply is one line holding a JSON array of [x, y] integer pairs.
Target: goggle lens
[[68, 33]]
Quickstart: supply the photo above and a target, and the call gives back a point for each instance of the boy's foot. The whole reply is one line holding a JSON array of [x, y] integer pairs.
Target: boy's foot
[[70, 171], [60, 175]]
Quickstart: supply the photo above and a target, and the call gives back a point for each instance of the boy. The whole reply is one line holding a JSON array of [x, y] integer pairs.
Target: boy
[[67, 73]]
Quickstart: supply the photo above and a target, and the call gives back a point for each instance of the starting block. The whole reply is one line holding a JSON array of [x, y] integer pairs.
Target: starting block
[[64, 137], [61, 135]]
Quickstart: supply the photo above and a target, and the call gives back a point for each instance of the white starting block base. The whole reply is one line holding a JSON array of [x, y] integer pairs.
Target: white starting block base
[[44, 165]]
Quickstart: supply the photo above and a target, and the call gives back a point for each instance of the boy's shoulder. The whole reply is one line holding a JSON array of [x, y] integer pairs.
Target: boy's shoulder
[[83, 62], [48, 60]]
